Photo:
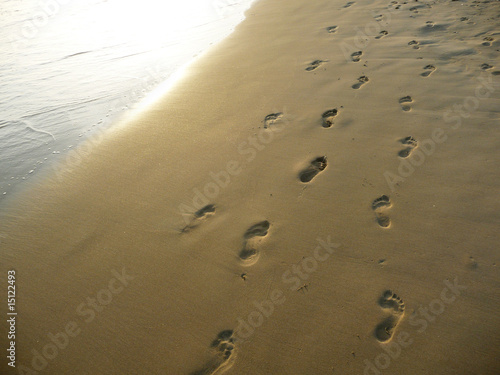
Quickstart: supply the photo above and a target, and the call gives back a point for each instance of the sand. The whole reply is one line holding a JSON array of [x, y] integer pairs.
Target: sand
[[318, 194]]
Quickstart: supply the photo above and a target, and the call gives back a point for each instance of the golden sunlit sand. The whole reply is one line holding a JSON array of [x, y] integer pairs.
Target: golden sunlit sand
[[318, 194]]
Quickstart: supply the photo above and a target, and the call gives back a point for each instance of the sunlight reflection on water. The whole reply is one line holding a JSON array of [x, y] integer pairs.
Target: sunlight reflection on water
[[71, 67]]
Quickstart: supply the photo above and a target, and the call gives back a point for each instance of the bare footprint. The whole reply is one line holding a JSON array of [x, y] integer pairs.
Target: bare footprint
[[332, 29], [356, 56], [199, 216], [380, 206], [348, 4], [381, 34], [317, 165], [486, 66], [487, 41], [249, 254], [411, 144], [385, 330], [223, 347], [315, 65], [414, 43], [404, 103], [361, 81], [271, 119], [328, 117], [429, 69]]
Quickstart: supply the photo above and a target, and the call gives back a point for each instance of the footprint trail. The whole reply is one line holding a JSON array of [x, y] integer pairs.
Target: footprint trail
[[411, 144], [384, 332], [404, 101], [380, 206], [315, 65], [223, 347], [317, 165], [328, 117], [249, 254], [199, 216], [429, 69], [361, 81]]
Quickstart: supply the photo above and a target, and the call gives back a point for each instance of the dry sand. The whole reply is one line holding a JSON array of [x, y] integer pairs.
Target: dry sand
[[361, 240]]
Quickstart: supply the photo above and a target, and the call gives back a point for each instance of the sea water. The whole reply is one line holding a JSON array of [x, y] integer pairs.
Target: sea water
[[68, 68]]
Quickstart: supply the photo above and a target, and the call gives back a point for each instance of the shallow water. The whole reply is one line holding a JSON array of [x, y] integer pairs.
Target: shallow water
[[69, 68]]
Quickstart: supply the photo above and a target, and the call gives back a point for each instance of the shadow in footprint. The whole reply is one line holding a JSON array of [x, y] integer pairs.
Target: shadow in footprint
[[414, 44], [411, 144], [315, 65], [385, 330], [317, 165], [361, 81], [487, 41], [404, 103], [380, 206], [199, 216], [429, 69], [328, 117], [332, 29], [356, 56], [381, 34], [271, 119], [223, 347], [249, 253]]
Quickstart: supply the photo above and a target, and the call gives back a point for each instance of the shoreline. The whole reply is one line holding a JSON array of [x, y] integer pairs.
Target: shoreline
[[256, 191], [53, 106]]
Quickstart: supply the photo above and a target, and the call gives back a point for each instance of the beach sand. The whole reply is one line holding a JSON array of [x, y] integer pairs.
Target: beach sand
[[318, 194]]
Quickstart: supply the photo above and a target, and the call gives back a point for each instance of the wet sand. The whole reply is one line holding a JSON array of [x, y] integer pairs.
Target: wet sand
[[318, 194]]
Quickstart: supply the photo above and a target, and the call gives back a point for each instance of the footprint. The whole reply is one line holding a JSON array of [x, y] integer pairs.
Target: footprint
[[380, 206], [411, 144], [315, 65], [486, 66], [414, 43], [381, 34], [332, 29], [317, 165], [223, 347], [385, 330], [496, 73], [429, 69], [356, 56], [487, 41], [348, 4], [271, 119], [328, 117], [249, 254], [199, 216], [361, 81], [403, 101]]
